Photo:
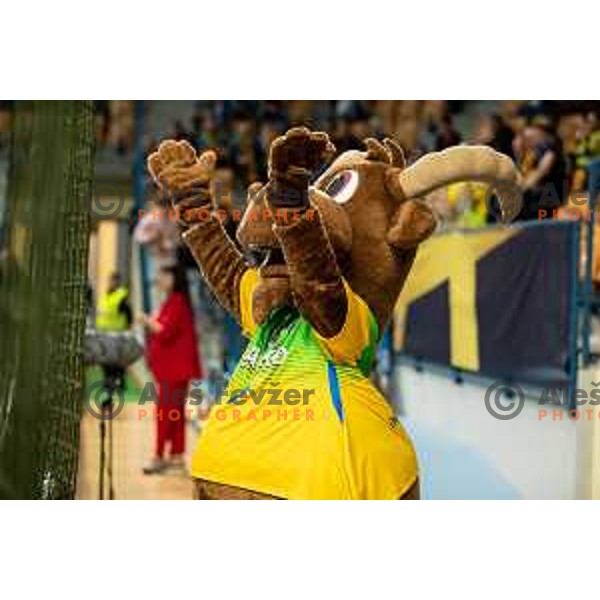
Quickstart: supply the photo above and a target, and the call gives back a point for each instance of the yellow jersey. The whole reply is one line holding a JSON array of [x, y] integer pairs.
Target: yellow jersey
[[300, 418]]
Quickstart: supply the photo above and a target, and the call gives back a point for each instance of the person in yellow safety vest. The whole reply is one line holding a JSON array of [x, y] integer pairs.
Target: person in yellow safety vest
[[113, 313]]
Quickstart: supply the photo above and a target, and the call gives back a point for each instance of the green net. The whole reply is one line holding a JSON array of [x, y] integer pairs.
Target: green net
[[43, 282]]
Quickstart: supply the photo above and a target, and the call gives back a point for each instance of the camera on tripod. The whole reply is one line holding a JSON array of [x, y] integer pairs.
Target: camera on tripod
[[114, 352]]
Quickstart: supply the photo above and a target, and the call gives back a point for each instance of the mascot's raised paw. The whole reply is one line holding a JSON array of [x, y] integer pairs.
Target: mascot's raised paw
[[180, 173], [293, 160]]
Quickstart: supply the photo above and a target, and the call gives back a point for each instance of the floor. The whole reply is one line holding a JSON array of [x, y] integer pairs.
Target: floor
[[133, 439]]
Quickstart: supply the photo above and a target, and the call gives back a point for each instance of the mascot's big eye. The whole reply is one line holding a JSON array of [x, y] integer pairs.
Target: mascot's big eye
[[342, 187]]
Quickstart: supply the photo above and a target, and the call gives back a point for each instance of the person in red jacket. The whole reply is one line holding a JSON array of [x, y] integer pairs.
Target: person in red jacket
[[173, 358]]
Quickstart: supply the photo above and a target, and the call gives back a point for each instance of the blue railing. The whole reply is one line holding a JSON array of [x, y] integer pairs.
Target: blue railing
[[589, 297]]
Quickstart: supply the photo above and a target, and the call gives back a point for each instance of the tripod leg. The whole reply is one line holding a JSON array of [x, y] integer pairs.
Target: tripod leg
[[102, 459], [111, 489]]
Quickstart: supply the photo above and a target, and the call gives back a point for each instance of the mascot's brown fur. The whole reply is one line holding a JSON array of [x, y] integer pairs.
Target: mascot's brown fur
[[361, 221]]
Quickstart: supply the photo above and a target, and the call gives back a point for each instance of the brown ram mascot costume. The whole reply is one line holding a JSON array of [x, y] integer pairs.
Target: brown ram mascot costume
[[301, 418]]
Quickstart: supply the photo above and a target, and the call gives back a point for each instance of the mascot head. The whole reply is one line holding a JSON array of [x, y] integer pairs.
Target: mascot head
[[373, 210]]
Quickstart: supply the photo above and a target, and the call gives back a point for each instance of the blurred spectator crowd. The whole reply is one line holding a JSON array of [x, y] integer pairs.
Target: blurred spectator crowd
[[242, 131], [551, 142]]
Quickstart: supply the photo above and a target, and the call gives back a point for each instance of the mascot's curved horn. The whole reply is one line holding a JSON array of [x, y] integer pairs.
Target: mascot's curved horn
[[460, 163]]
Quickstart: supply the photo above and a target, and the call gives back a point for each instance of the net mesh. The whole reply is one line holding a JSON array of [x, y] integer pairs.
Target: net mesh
[[43, 282]]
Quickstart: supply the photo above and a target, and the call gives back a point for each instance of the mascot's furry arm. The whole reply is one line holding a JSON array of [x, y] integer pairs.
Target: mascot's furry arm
[[315, 279], [186, 179]]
